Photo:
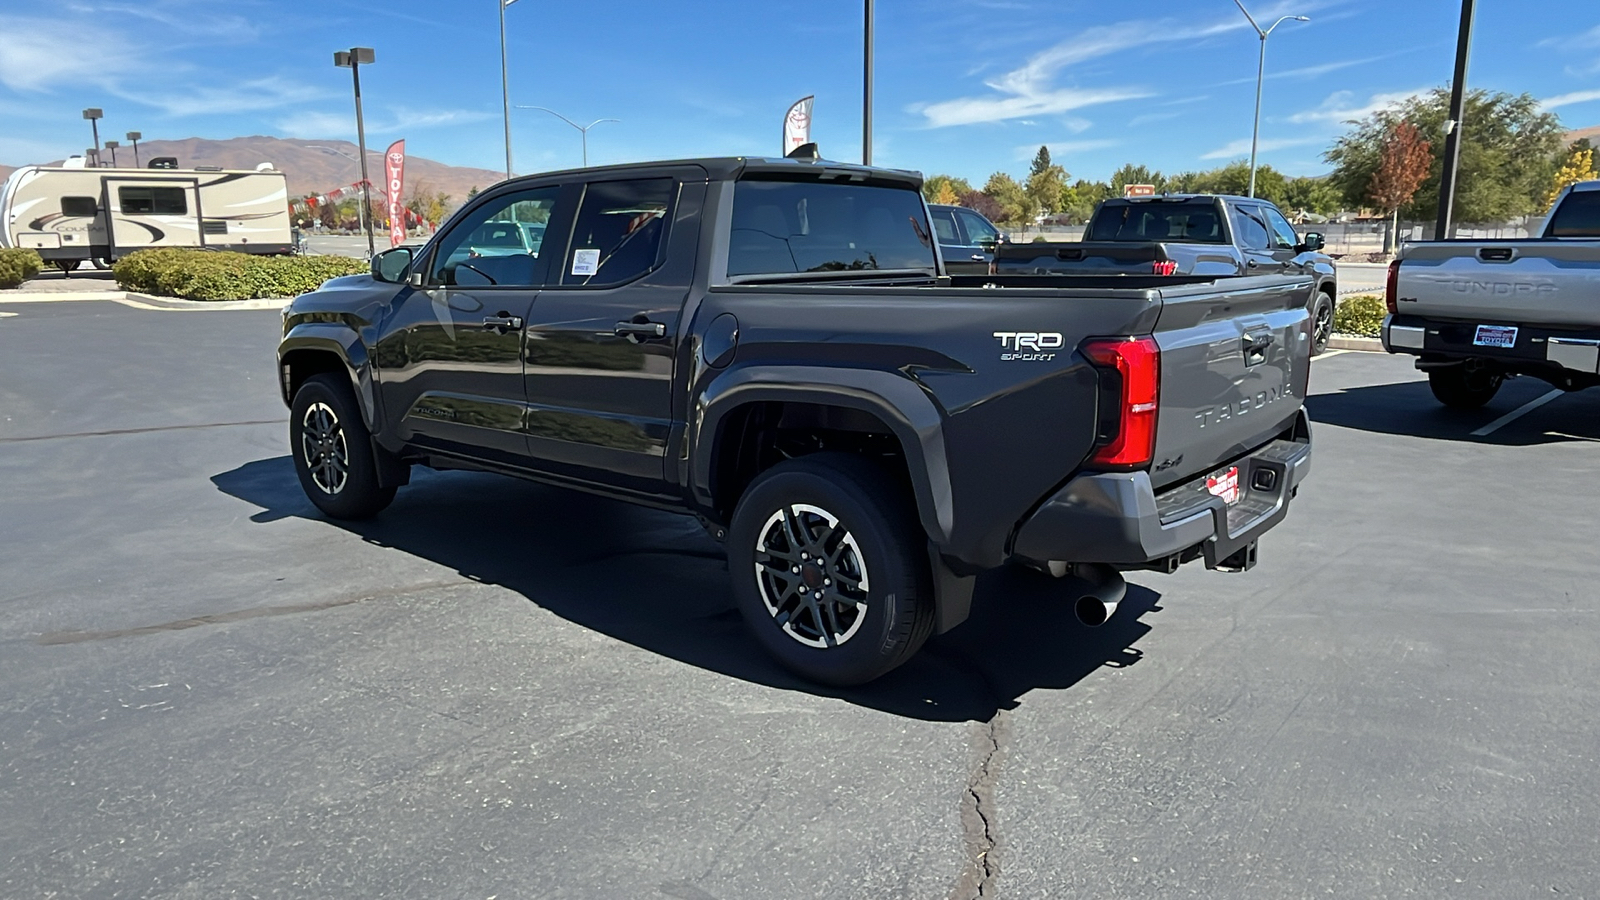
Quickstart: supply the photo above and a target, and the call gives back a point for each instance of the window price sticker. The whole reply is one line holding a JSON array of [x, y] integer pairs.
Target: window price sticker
[[585, 262]]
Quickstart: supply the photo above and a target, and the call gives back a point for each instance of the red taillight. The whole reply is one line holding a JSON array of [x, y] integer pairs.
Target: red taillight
[[1391, 287], [1132, 381], [1164, 266]]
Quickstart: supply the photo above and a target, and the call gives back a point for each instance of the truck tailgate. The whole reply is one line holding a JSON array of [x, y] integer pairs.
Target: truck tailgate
[[1533, 281], [1040, 258], [1234, 367]]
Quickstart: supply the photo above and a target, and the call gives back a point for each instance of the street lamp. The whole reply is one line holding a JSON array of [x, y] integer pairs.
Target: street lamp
[[112, 146], [353, 59], [1261, 68], [94, 115], [582, 128], [135, 136], [505, 82]]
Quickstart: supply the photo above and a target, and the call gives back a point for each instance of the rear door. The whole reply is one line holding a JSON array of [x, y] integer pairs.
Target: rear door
[[603, 334], [1235, 356], [149, 212]]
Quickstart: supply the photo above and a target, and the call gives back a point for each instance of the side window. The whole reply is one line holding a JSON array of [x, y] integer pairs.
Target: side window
[[619, 231], [978, 228], [944, 225], [1283, 234], [498, 245], [1251, 232], [153, 201], [79, 207]]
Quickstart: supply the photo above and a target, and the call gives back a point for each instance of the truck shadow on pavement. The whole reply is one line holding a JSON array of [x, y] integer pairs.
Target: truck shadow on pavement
[[657, 581], [1409, 408]]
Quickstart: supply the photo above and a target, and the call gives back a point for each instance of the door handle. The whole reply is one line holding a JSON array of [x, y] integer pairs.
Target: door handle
[[502, 323], [979, 257], [640, 329], [1250, 263], [1259, 341]]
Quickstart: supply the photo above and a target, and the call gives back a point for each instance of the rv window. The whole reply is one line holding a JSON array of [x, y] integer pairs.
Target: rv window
[[153, 201], [79, 207]]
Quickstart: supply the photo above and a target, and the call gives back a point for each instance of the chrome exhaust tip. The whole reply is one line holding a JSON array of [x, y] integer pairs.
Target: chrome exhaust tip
[[1107, 588]]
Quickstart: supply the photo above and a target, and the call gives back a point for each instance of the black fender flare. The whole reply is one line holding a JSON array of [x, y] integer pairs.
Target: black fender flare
[[905, 406], [339, 341]]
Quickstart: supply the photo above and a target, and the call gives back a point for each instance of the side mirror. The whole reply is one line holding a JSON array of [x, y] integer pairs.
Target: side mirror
[[1313, 241], [987, 245], [390, 266]]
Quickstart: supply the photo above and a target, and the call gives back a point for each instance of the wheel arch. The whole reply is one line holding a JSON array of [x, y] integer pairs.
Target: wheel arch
[[321, 348]]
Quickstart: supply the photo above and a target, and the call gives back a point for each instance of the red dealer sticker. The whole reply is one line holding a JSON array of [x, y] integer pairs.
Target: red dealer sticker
[[1225, 485]]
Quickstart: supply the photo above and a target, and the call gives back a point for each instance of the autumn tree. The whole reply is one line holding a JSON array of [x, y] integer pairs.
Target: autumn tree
[[982, 204], [1578, 167], [945, 189], [1402, 167], [1014, 203]]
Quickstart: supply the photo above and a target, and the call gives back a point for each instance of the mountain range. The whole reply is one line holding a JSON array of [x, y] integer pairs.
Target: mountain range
[[310, 166]]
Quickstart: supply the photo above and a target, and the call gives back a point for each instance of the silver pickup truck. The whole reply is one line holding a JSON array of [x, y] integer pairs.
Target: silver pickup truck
[[1477, 312]]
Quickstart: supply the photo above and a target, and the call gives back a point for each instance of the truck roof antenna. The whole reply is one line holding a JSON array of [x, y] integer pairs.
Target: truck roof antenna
[[804, 151]]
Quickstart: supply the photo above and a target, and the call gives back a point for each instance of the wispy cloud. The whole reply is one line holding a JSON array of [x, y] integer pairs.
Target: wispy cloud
[[1341, 106], [250, 96], [1241, 147], [1569, 99], [1312, 71], [1031, 89], [51, 57], [1147, 118], [393, 121], [1059, 148]]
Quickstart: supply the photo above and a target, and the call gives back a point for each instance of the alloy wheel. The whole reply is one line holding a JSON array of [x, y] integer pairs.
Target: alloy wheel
[[323, 448], [812, 575]]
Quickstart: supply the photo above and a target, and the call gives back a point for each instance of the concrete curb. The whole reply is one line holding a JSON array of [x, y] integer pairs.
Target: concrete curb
[[1370, 345], [141, 301]]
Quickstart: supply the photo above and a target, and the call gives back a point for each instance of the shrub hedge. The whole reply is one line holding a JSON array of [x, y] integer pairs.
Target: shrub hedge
[[17, 266], [1362, 315], [212, 275]]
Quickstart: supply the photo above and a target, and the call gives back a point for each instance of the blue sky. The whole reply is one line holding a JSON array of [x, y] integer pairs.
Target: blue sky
[[966, 87]]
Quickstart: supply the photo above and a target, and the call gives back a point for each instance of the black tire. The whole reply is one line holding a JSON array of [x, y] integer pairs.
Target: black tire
[[1466, 386], [856, 633], [100, 262], [1321, 323], [332, 450]]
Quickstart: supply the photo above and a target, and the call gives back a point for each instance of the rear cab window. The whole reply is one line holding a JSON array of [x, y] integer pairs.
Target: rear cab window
[[619, 233], [1188, 221], [1578, 216], [790, 227], [1251, 230]]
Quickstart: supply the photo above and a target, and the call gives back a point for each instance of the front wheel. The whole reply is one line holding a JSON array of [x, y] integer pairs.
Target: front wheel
[[1321, 324], [1466, 386], [829, 568], [333, 450]]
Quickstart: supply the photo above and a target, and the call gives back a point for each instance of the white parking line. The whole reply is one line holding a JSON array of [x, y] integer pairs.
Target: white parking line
[[1517, 413], [1327, 353]]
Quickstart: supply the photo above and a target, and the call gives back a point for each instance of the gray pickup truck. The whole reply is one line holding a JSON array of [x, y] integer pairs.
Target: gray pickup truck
[[1187, 234], [1477, 312], [772, 345]]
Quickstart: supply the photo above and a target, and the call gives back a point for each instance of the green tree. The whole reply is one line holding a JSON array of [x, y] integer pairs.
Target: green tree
[[1015, 205], [1314, 195], [945, 189], [1234, 178], [1079, 200], [1046, 181], [1136, 174], [1508, 154]]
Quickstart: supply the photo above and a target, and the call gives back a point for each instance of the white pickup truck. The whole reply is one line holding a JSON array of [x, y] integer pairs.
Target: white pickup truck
[[1478, 312]]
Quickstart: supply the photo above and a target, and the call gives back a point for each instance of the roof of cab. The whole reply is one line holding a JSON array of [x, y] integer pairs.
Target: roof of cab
[[724, 168]]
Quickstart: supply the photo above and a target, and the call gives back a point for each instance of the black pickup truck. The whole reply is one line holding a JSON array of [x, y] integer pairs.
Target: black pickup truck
[[1186, 234], [771, 345]]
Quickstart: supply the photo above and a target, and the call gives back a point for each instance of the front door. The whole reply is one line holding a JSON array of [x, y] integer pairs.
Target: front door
[[1256, 242], [979, 239], [450, 358], [602, 334], [149, 212]]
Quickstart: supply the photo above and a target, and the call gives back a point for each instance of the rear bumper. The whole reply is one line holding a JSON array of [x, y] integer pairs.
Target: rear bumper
[[1555, 354], [1118, 518]]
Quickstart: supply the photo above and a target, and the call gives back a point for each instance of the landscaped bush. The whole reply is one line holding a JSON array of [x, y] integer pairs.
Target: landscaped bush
[[17, 266], [211, 275], [1362, 315]]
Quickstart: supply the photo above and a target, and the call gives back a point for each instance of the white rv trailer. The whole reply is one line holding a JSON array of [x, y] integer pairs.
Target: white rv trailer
[[70, 214]]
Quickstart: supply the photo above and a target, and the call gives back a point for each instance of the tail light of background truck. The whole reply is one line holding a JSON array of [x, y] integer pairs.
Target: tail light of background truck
[[1391, 287], [1164, 267], [1130, 389]]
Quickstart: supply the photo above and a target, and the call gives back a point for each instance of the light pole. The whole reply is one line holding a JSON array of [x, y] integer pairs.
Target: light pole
[[135, 136], [1452, 128], [353, 59], [1261, 70], [112, 146], [866, 90], [94, 115], [505, 82], [584, 129]]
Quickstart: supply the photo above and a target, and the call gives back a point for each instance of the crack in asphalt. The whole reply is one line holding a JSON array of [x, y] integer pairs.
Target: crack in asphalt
[[980, 813], [148, 430]]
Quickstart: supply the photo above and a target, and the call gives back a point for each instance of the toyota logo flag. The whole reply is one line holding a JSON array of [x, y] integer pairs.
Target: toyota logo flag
[[797, 125], [394, 178]]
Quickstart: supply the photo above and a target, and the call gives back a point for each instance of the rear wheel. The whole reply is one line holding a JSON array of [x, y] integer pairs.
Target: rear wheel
[[1466, 386], [829, 568], [333, 450], [1321, 324]]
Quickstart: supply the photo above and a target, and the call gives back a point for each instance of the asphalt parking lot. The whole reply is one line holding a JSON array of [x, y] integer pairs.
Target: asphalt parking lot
[[498, 689]]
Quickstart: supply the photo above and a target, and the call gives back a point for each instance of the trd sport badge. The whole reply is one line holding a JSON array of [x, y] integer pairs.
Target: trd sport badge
[[1029, 345]]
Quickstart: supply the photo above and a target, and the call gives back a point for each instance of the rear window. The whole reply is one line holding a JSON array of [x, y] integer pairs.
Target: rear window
[[785, 226], [1577, 216], [1189, 222]]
